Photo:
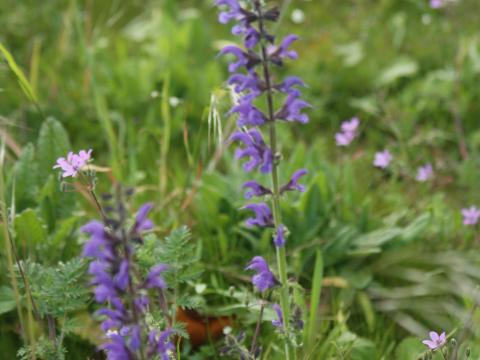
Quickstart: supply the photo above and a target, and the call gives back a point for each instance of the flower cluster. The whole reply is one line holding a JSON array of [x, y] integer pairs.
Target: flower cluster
[[73, 163], [119, 287]]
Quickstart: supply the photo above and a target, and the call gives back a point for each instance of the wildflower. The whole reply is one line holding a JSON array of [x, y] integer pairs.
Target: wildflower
[[424, 173], [279, 239], [254, 148], [436, 341], [293, 182], [141, 221], [382, 159], [471, 215], [279, 322], [348, 132], [73, 163], [264, 279], [256, 189], [292, 109], [263, 215]]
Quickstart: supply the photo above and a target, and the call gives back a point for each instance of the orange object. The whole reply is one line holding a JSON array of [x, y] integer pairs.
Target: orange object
[[200, 328]]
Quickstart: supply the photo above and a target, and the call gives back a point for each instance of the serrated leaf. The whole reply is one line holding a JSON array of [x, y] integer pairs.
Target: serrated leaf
[[30, 228]]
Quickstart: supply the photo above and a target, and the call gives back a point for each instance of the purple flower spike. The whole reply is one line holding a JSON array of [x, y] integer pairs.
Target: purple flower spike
[[424, 173], [279, 322], [73, 163], [436, 341], [293, 183], [382, 159], [471, 215], [256, 189], [279, 239], [154, 278], [292, 110], [141, 221], [263, 215], [264, 279]]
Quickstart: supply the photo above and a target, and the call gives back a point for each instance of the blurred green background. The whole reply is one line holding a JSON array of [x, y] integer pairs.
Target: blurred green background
[[140, 83]]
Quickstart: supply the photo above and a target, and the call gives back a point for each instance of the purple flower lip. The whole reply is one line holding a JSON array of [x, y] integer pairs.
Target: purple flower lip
[[256, 189], [279, 322], [293, 184], [471, 215], [436, 341], [264, 279], [255, 149], [262, 215]]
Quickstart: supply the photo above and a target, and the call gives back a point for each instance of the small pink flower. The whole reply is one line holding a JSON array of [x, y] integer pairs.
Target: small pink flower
[[348, 132], [436, 341], [382, 159], [73, 163], [424, 173], [471, 215]]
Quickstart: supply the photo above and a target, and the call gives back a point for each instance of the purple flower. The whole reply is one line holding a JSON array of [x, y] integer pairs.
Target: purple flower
[[99, 244], [141, 221], [122, 277], [234, 12], [279, 239], [256, 189], [248, 114], [277, 53], [116, 348], [424, 173], [471, 215], [242, 82], [293, 183], [279, 322], [255, 149], [73, 163], [263, 215], [292, 110], [348, 132], [154, 278], [164, 347], [287, 85], [264, 279], [382, 159], [437, 4], [436, 341]]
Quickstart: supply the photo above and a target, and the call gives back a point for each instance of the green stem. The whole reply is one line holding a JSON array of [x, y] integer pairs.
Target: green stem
[[277, 216]]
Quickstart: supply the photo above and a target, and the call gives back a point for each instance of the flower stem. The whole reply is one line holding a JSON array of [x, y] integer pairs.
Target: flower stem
[[257, 330], [277, 217]]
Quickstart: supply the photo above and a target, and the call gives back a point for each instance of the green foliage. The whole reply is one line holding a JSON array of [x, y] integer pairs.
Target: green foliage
[[43, 349], [58, 291]]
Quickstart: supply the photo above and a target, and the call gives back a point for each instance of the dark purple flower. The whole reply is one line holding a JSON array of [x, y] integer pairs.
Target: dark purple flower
[[293, 183], [279, 322], [242, 57], [256, 189], [264, 279], [122, 277], [141, 221], [277, 53], [255, 149], [292, 110], [116, 348], [263, 215], [154, 278], [136, 338], [248, 114], [279, 239]]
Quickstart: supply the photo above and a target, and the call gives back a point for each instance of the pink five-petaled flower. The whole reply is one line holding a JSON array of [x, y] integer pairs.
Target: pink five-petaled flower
[[73, 163], [436, 341], [382, 159], [471, 215], [424, 173]]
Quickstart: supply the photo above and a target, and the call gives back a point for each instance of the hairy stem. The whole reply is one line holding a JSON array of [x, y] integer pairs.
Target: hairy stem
[[277, 217]]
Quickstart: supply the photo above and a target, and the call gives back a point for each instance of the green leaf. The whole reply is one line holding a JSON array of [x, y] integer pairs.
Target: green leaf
[[52, 143], [7, 299], [315, 299], [403, 67], [25, 178], [22, 80], [29, 228], [409, 349]]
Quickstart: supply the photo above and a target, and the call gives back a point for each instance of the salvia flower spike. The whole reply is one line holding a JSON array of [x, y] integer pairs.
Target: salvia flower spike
[[252, 79], [123, 295]]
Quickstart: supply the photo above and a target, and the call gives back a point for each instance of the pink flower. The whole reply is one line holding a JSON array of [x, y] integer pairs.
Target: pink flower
[[382, 159], [471, 215], [436, 341], [348, 132], [73, 163], [424, 173]]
